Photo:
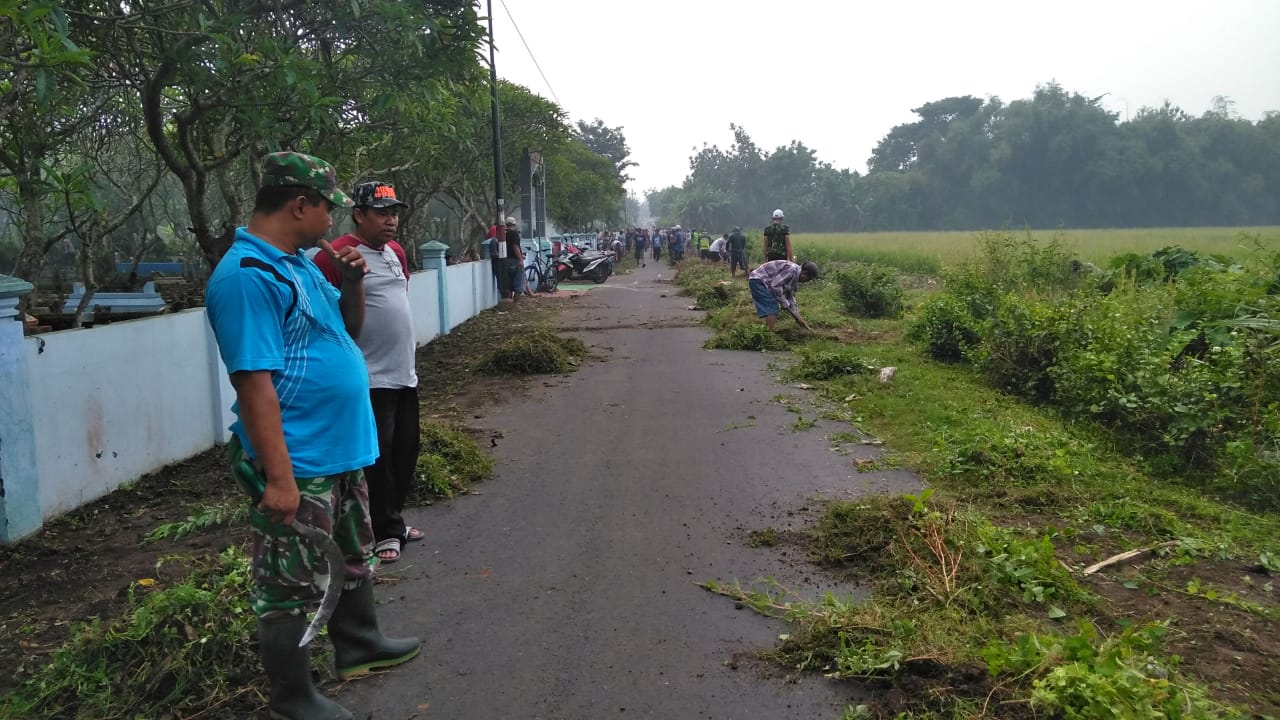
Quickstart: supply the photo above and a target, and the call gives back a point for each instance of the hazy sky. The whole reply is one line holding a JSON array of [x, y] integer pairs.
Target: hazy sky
[[839, 74]]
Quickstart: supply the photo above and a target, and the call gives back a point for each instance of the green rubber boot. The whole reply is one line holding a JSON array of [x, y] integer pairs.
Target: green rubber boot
[[358, 646], [292, 696]]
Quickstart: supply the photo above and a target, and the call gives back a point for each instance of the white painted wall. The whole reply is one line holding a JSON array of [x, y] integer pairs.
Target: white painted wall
[[112, 403], [461, 294], [424, 299]]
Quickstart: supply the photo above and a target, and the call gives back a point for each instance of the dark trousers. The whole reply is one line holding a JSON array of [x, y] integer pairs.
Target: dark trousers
[[391, 476]]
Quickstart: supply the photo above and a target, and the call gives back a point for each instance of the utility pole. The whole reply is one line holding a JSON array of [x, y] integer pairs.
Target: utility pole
[[497, 134]]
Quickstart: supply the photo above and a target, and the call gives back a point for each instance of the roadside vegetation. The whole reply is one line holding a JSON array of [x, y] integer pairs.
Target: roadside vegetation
[[1062, 415], [178, 639]]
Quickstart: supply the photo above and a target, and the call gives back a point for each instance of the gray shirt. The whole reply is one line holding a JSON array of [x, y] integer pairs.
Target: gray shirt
[[387, 337]]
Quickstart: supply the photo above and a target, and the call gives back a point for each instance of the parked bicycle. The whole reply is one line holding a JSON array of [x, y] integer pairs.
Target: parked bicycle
[[540, 276]]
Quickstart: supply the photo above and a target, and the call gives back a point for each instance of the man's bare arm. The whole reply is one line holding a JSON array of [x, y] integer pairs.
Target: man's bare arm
[[260, 415]]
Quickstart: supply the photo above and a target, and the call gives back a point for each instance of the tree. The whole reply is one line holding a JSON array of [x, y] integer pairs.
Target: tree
[[609, 142]]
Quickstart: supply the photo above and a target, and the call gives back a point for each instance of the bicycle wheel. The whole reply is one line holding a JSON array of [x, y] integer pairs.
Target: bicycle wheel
[[550, 280], [533, 279]]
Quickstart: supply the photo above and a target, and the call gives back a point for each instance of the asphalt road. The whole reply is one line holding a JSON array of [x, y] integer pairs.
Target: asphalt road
[[565, 591]]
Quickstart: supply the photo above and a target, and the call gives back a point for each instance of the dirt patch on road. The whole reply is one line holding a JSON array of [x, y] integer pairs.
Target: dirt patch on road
[[82, 565]]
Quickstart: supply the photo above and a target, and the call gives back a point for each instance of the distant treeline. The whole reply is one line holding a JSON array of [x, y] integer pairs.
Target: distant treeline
[[1057, 158]]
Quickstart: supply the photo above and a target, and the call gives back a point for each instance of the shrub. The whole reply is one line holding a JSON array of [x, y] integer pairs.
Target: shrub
[[1009, 261], [945, 328], [870, 291], [1021, 342]]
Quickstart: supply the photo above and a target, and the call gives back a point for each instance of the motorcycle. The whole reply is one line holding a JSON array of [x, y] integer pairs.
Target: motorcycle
[[575, 264]]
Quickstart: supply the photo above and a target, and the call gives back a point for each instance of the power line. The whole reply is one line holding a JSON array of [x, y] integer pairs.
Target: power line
[[526, 49]]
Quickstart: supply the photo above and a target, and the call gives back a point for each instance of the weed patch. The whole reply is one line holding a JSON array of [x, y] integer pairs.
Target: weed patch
[[182, 647], [233, 511], [538, 351], [870, 291], [717, 295], [752, 336], [824, 361], [450, 462]]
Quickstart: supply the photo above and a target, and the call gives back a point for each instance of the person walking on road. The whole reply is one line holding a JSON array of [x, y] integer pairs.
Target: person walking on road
[[640, 246], [304, 428], [737, 252], [777, 240], [775, 283], [657, 245], [389, 352]]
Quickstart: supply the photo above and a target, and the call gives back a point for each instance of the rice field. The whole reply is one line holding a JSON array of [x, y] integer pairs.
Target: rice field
[[928, 252]]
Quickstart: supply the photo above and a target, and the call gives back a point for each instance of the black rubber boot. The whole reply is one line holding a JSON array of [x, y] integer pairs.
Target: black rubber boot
[[288, 667], [358, 646]]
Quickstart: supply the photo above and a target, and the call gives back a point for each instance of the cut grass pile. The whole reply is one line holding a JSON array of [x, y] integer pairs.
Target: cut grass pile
[[184, 646], [536, 352], [450, 462]]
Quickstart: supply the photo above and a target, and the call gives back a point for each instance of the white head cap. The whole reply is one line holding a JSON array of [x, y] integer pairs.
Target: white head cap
[[511, 221], [677, 227], [777, 214]]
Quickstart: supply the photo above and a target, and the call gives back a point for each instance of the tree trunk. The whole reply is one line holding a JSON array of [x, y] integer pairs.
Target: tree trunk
[[86, 276]]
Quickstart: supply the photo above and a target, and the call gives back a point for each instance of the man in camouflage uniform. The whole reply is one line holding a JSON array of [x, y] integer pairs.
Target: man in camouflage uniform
[[777, 240], [304, 428]]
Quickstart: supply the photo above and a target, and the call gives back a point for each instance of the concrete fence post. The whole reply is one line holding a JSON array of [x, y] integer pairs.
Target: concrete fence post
[[433, 259], [19, 479]]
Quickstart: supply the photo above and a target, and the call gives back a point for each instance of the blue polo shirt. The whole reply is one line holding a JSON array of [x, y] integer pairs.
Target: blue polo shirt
[[276, 312]]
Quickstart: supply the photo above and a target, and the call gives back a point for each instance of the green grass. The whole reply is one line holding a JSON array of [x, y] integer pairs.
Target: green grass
[[926, 253]]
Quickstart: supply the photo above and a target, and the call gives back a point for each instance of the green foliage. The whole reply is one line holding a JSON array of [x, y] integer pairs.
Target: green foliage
[[746, 336], [1021, 341], [998, 456], [450, 462], [231, 512], [183, 647], [1026, 566], [944, 327], [870, 291], [538, 351], [1165, 362], [1128, 513], [1090, 678], [825, 360], [718, 295]]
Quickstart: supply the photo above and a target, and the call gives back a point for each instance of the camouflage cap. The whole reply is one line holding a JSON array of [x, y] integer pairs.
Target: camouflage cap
[[296, 169], [376, 194]]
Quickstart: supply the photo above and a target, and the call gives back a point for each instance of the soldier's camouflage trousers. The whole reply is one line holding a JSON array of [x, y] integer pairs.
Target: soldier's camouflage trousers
[[289, 574]]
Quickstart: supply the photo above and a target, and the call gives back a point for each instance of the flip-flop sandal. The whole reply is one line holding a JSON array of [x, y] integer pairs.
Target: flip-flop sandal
[[391, 545], [413, 534]]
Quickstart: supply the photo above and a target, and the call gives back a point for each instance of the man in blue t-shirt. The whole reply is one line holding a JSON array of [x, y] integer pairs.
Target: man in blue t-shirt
[[304, 427]]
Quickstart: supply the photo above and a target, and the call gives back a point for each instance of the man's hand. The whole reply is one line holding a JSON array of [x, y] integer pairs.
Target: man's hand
[[348, 260], [280, 500]]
